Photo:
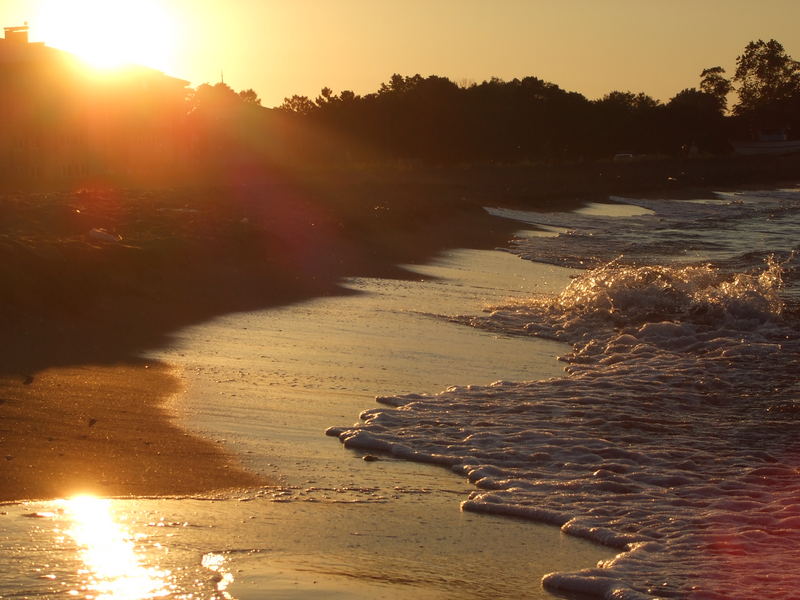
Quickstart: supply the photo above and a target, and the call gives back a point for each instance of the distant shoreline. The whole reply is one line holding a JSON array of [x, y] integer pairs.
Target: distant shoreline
[[531, 184], [80, 307]]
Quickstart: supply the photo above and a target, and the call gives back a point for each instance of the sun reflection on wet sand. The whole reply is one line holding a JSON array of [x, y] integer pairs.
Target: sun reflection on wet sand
[[114, 569], [216, 563]]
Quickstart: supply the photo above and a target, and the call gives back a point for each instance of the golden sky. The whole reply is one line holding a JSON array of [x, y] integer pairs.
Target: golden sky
[[285, 47]]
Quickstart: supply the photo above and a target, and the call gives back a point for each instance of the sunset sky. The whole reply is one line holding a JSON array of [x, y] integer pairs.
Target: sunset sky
[[285, 47]]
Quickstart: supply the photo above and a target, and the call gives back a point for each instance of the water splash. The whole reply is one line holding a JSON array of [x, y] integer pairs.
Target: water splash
[[660, 442]]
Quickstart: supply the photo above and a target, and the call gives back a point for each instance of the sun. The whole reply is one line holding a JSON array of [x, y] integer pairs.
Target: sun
[[110, 33]]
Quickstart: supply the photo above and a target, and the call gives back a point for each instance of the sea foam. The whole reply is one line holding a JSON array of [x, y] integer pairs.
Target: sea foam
[[673, 437]]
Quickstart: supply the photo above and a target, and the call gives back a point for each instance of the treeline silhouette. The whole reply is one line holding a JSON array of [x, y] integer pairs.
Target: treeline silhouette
[[148, 127], [433, 118]]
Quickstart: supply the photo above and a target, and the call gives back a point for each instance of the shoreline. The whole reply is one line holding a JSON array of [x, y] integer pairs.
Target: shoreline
[[82, 309], [92, 416], [105, 430]]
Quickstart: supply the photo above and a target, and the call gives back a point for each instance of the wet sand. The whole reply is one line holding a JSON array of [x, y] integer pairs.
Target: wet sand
[[104, 430], [267, 384], [270, 382]]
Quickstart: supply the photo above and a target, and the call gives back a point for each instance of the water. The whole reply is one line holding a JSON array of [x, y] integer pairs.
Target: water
[[674, 439], [252, 548]]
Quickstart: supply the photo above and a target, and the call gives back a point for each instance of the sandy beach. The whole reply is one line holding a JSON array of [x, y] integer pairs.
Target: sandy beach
[[83, 412], [95, 277], [266, 384]]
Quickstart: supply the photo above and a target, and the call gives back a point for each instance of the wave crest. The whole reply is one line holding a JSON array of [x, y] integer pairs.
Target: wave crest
[[615, 296]]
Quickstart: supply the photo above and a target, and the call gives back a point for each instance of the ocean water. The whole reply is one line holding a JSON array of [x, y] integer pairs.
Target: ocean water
[[674, 439]]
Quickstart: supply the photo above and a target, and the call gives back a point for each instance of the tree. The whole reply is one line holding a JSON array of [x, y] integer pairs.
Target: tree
[[768, 82], [627, 122], [629, 101], [398, 84], [249, 96], [695, 102], [326, 96], [300, 105], [696, 118], [213, 99], [714, 83]]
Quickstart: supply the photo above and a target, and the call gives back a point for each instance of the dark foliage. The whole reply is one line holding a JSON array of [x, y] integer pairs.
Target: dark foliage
[[433, 120], [150, 128], [768, 84]]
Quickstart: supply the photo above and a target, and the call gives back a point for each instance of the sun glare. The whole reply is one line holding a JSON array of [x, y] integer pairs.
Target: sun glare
[[110, 33], [108, 550]]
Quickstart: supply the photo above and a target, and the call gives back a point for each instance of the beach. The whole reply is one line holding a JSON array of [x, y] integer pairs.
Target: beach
[[293, 308], [82, 387], [318, 520], [97, 277], [105, 430]]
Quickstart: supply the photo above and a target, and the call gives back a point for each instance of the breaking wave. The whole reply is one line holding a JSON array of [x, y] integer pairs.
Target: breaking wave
[[674, 437]]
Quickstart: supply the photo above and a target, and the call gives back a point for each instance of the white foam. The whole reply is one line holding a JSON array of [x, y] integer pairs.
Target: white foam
[[674, 230], [665, 441]]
